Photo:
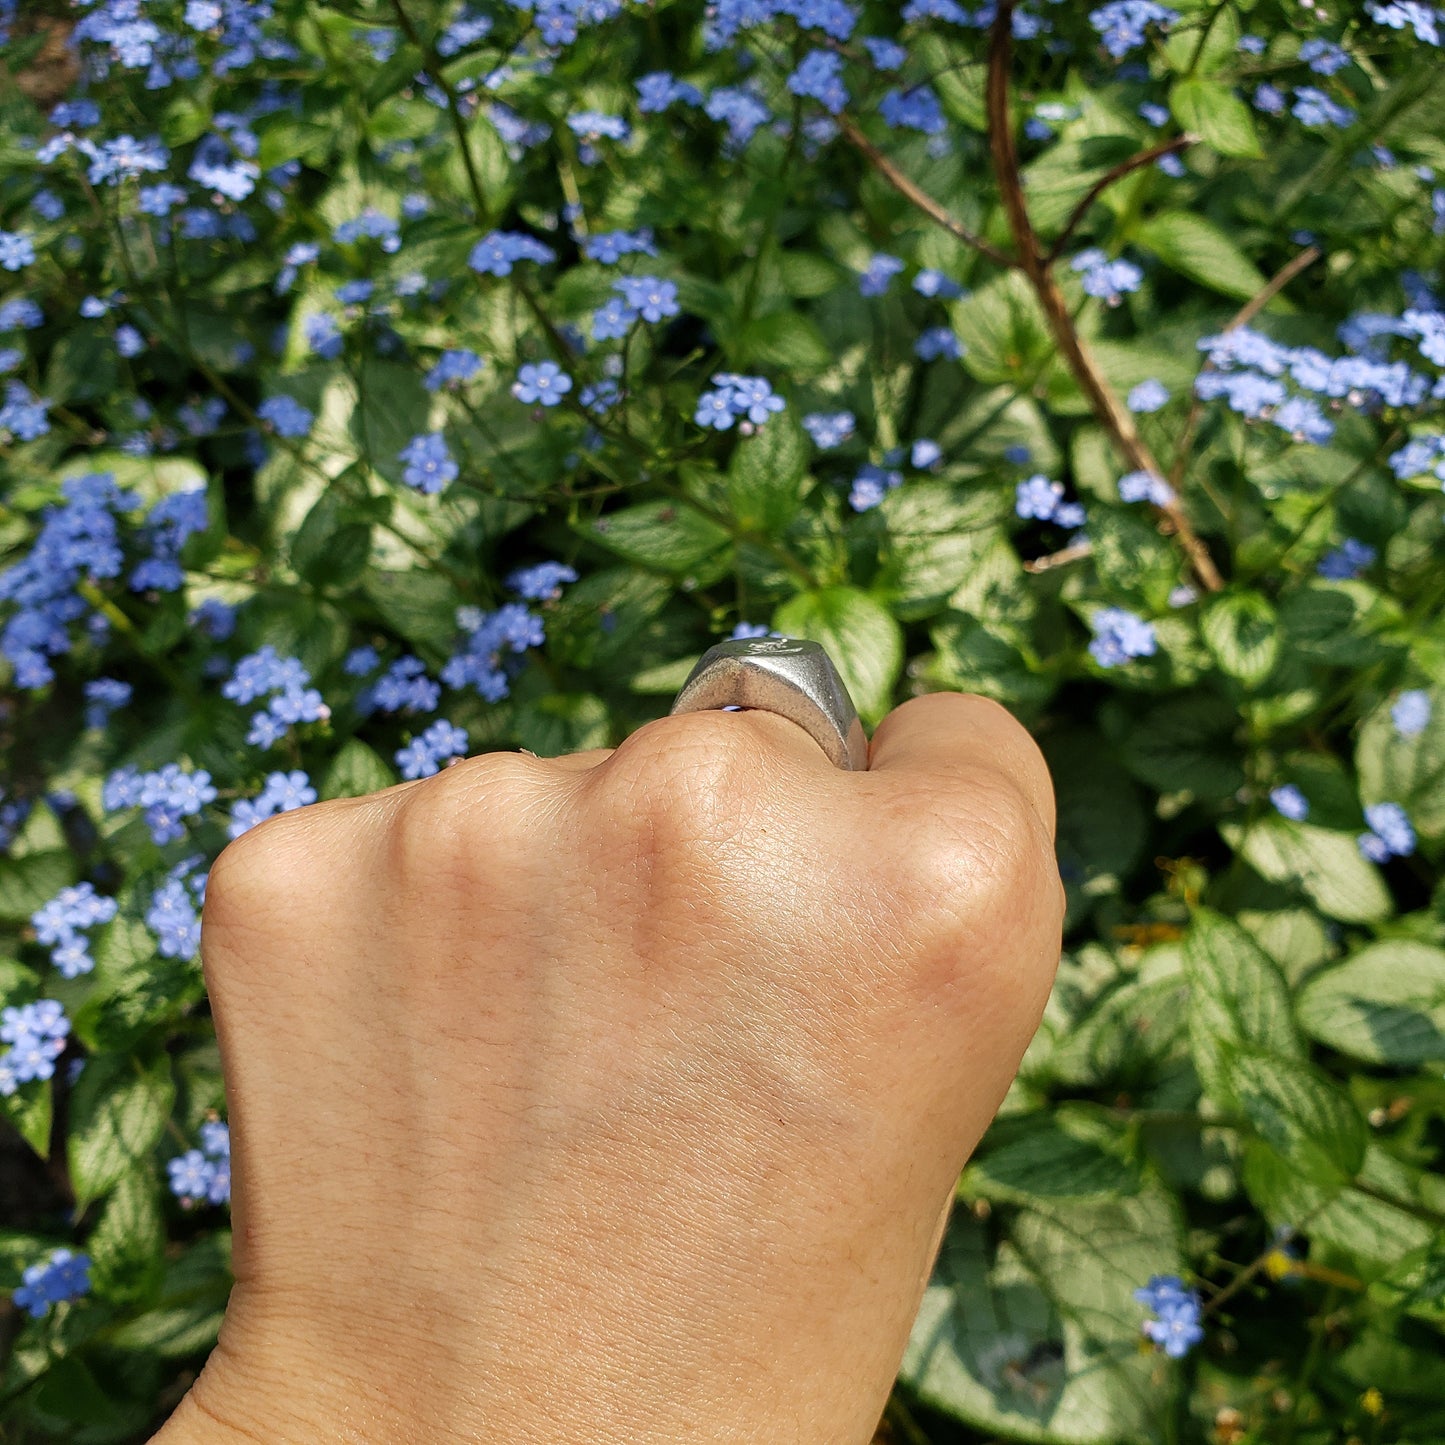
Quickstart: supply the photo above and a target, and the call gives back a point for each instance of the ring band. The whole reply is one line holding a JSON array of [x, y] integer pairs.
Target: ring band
[[790, 676]]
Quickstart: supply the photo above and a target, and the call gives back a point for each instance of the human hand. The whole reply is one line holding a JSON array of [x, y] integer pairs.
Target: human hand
[[618, 1096]]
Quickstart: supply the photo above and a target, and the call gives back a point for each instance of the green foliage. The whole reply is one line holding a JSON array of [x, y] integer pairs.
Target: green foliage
[[1238, 1078]]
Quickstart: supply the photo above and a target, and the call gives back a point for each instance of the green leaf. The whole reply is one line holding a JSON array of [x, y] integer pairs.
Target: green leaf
[[786, 339], [1004, 332], [1184, 743], [1218, 116], [1102, 824], [1039, 1339], [939, 536], [1298, 1113], [1406, 770], [126, 1247], [117, 1114], [30, 1111], [29, 882], [331, 547], [861, 636], [563, 722], [1326, 866], [356, 771], [122, 1010], [187, 1315], [1237, 996], [1385, 1005], [1065, 1154], [420, 607], [1198, 249], [765, 476], [1333, 622], [1242, 631], [666, 536]]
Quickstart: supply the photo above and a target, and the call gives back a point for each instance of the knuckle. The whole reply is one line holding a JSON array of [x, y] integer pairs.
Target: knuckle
[[689, 771], [463, 819]]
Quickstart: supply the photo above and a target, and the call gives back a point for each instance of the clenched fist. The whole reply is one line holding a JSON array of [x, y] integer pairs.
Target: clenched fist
[[618, 1096]]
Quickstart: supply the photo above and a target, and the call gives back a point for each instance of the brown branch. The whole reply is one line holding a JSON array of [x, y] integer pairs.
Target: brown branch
[[1060, 558], [915, 193], [1242, 317], [1107, 407], [1164, 148]]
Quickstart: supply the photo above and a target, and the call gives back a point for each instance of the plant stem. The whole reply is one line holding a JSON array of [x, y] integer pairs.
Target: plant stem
[[1107, 407]]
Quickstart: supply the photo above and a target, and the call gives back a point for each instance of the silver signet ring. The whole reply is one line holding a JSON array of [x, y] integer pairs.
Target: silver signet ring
[[790, 676]]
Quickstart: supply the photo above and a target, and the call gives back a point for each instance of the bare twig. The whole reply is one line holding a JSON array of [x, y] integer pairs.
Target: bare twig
[[1124, 168], [920, 198], [1242, 317], [1060, 558], [1107, 407]]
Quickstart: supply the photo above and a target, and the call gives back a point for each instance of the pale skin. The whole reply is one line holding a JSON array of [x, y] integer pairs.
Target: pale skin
[[617, 1097]]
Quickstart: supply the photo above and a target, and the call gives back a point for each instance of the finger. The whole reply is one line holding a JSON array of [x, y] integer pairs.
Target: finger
[[944, 732]]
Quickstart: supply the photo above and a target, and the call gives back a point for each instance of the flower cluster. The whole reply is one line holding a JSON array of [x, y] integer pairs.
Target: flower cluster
[[168, 795], [282, 793], [1390, 833], [203, 1176], [426, 752], [1040, 499], [1119, 636], [36, 1033], [285, 683], [60, 924], [65, 1276], [749, 398]]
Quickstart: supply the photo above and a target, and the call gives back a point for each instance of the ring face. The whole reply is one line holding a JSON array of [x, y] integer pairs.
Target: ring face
[[790, 676]]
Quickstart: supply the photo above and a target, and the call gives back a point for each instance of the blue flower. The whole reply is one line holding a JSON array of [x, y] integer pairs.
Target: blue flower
[[592, 125], [876, 280], [870, 486], [203, 1176], [1154, 113], [820, 75], [1424, 20], [924, 453], [1145, 487], [1037, 497], [931, 283], [1390, 835], [659, 90], [1290, 802], [423, 756], [1269, 99], [916, 109], [545, 382], [748, 397], [36, 1033], [286, 416], [1120, 635], [64, 1276], [1347, 560], [1176, 1328], [1322, 56], [1107, 279], [496, 254], [1314, 108], [648, 296], [542, 582], [16, 250], [1148, 396], [936, 342], [1411, 713], [453, 368], [1122, 23], [429, 465], [829, 429], [885, 54]]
